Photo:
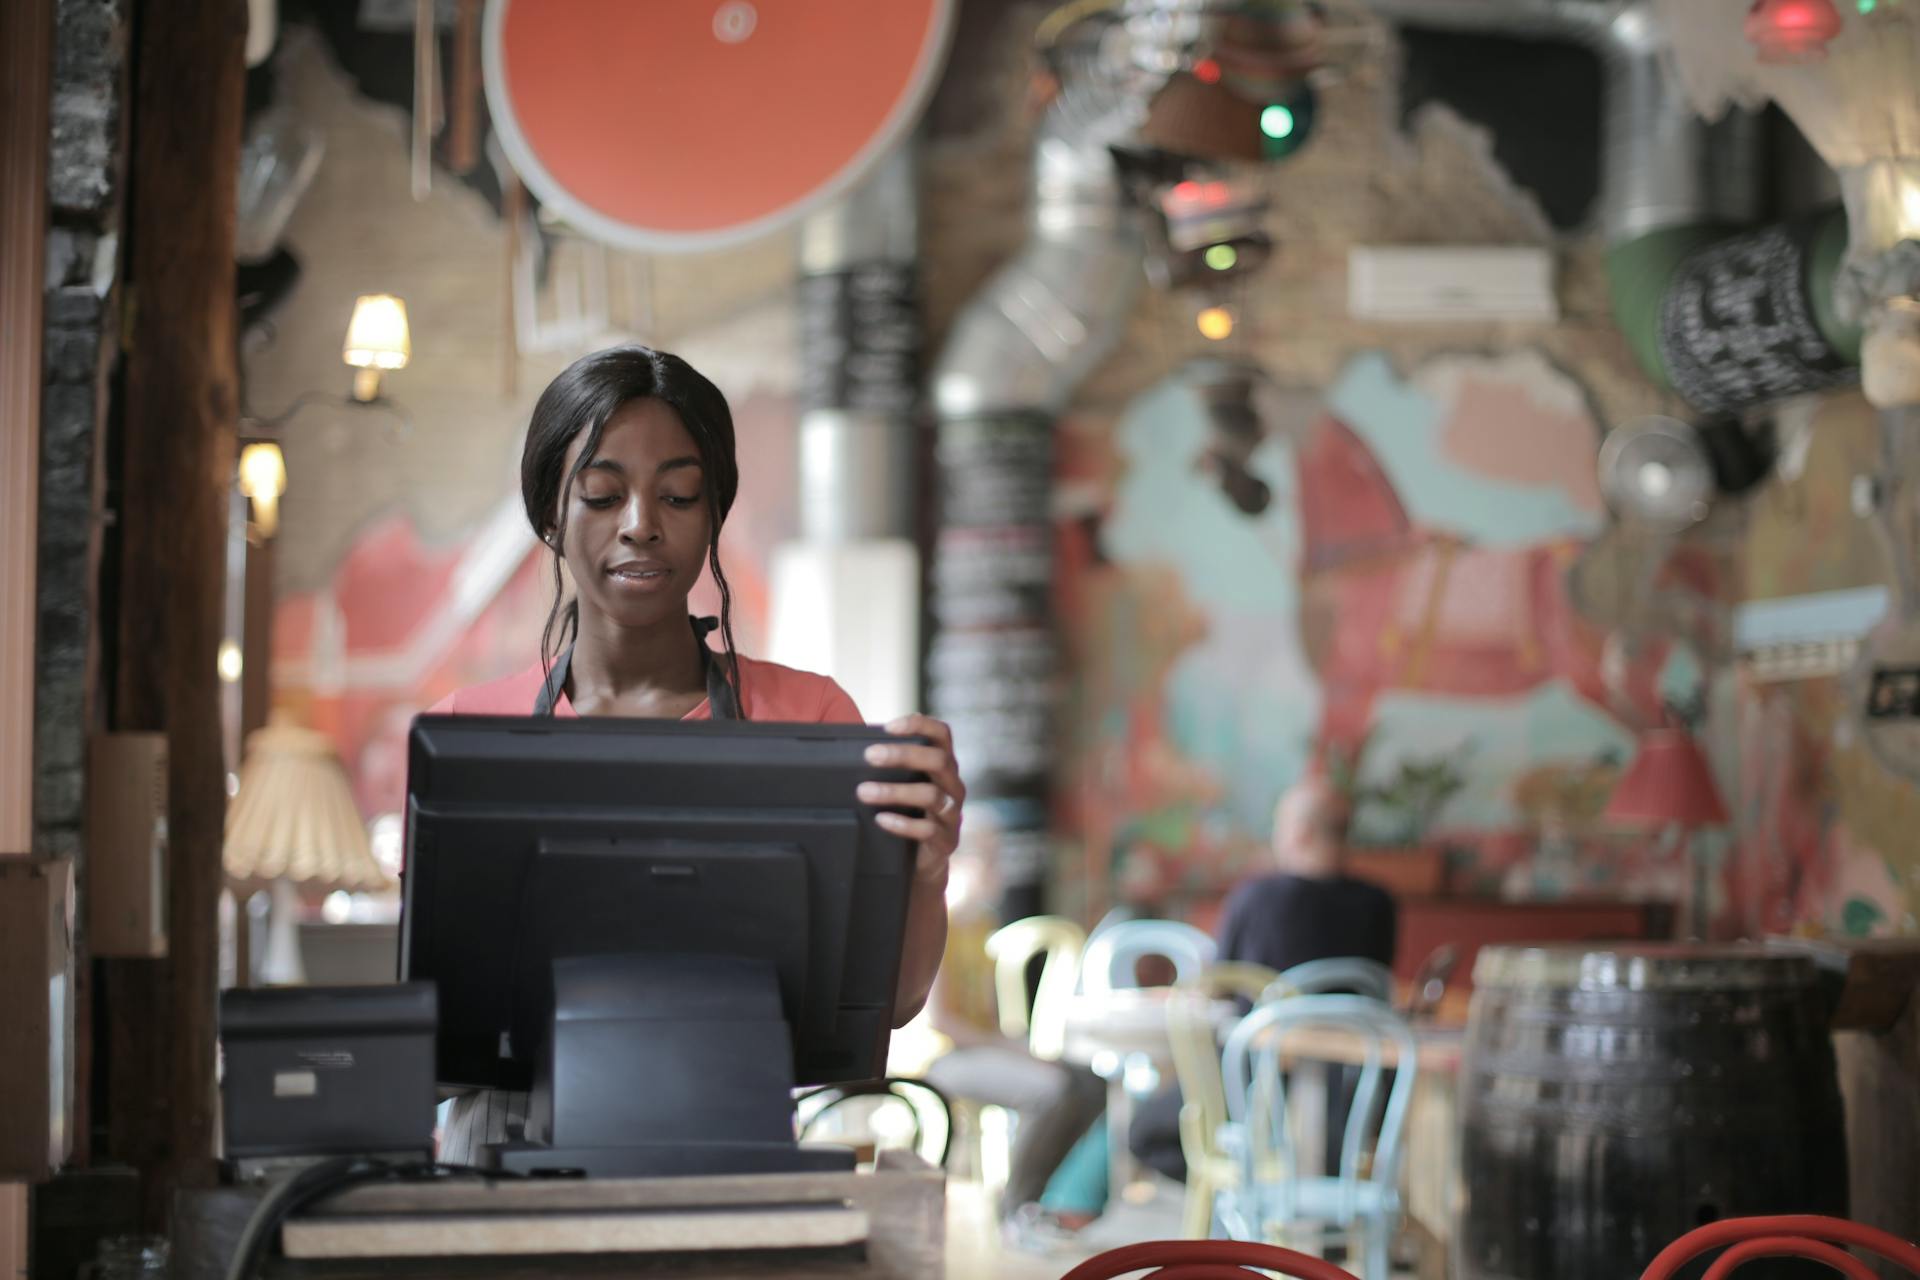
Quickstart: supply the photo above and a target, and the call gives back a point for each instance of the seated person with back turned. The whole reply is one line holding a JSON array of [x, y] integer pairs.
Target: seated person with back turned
[[1307, 910]]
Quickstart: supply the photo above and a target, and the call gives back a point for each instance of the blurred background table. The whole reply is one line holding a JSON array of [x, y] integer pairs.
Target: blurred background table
[[1122, 1037]]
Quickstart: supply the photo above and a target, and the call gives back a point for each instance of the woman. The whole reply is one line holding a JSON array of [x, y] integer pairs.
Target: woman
[[627, 474]]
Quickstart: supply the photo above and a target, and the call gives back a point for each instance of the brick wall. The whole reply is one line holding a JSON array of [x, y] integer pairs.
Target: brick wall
[[85, 180]]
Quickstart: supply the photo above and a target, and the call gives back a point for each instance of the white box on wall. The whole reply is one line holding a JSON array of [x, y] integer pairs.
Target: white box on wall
[[127, 844], [1425, 283]]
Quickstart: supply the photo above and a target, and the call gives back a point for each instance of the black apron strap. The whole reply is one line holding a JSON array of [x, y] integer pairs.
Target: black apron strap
[[556, 681], [722, 704]]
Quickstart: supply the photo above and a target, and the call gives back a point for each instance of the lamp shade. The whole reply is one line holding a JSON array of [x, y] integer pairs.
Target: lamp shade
[[263, 478], [263, 470], [377, 335], [294, 817], [1668, 784]]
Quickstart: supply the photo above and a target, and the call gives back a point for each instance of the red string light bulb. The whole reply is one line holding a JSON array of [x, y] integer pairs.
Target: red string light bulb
[[1792, 30]]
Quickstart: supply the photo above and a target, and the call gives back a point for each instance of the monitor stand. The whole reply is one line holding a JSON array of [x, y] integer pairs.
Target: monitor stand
[[663, 1065]]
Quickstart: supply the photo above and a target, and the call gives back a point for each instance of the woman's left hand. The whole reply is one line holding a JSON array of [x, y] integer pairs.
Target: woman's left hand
[[939, 798]]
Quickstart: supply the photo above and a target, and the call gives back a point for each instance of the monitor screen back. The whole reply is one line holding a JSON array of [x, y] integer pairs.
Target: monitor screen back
[[530, 839]]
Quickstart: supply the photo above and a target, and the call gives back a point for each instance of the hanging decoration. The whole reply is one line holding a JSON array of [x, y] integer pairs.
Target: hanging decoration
[[1849, 77], [681, 125], [1792, 30]]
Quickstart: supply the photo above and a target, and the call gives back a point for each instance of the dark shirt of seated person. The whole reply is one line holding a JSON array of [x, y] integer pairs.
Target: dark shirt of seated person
[[1306, 910]]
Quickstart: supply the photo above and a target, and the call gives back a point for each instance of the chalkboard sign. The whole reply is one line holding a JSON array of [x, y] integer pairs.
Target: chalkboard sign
[[993, 664], [860, 339], [1886, 690], [992, 577], [994, 471], [1737, 325], [1894, 694]]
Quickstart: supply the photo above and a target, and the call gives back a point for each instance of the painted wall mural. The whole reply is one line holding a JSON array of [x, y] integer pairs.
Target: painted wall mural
[[1405, 584], [1826, 833], [1405, 581]]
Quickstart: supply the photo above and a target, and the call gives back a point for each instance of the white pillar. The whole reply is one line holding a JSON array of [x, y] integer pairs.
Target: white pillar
[[851, 610]]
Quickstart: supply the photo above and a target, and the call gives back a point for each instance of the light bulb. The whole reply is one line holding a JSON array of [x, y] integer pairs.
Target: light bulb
[[229, 662], [263, 470], [1792, 30], [263, 478], [1216, 323]]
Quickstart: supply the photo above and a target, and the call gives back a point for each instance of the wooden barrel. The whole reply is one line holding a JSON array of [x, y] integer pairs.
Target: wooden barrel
[[1612, 1100]]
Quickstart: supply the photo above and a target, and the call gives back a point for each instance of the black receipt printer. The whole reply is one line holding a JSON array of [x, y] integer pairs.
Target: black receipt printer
[[312, 1071]]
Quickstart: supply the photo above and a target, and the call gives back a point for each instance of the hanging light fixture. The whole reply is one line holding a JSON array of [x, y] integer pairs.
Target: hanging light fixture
[[1791, 30], [1849, 78]]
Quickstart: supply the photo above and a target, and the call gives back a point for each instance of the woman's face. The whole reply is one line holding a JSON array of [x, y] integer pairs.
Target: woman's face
[[637, 524]]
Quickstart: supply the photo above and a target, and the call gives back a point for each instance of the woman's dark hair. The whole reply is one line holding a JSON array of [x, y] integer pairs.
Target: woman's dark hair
[[581, 399]]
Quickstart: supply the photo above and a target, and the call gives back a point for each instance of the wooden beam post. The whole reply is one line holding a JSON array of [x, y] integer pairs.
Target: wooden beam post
[[463, 142], [26, 70], [177, 454]]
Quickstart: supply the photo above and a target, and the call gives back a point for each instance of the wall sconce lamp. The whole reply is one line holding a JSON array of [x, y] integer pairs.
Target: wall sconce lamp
[[263, 478], [377, 340]]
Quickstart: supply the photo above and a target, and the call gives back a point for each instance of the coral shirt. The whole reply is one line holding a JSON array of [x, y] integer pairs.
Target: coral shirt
[[768, 691]]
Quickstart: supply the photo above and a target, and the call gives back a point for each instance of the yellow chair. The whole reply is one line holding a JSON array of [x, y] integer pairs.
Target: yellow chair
[[1043, 1022], [1196, 1064]]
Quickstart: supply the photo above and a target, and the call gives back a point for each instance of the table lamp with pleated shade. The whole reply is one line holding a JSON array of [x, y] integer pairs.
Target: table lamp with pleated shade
[[1670, 785], [294, 823], [294, 817]]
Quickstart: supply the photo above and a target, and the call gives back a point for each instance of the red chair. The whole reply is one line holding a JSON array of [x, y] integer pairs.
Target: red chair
[[1205, 1260], [1791, 1236]]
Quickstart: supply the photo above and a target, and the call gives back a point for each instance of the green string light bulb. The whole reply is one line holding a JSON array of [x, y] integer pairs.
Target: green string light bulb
[[1286, 126]]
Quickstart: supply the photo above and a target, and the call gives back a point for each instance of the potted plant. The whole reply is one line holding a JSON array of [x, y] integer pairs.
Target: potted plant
[[1390, 821]]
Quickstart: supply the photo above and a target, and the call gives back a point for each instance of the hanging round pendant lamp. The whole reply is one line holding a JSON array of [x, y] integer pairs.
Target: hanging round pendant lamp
[[679, 125]]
